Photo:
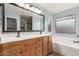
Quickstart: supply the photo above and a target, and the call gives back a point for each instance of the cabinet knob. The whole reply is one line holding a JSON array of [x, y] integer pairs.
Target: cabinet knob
[[39, 45], [39, 50], [38, 40], [25, 50], [21, 52]]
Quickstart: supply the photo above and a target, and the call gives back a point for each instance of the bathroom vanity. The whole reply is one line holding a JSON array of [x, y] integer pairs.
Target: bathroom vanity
[[36, 46], [22, 32]]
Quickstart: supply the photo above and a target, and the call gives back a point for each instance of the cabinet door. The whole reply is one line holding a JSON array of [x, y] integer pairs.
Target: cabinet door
[[29, 48], [45, 46], [50, 45], [17, 52], [13, 53], [0, 48]]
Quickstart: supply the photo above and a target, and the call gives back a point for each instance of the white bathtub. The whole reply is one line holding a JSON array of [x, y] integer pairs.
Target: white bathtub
[[65, 45]]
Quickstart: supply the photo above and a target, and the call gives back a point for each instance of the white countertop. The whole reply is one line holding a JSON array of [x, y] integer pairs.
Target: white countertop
[[24, 37]]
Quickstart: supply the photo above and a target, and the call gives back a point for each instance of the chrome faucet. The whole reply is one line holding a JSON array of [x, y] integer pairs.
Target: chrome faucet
[[0, 39], [77, 35], [40, 32], [18, 33]]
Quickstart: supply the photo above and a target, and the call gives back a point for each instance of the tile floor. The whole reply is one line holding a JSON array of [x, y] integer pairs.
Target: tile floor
[[55, 54]]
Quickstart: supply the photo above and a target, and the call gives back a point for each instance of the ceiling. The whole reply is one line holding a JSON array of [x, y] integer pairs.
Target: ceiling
[[58, 7]]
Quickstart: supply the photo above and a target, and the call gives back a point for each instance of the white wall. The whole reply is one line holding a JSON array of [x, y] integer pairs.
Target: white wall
[[0, 22]]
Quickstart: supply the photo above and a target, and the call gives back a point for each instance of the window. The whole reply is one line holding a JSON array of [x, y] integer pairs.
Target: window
[[65, 24]]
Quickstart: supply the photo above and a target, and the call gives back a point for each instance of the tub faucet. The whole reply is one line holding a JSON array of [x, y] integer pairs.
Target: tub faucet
[[75, 41], [77, 35]]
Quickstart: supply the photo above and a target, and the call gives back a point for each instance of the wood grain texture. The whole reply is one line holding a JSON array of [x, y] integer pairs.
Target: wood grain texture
[[39, 46], [50, 44], [45, 45], [1, 48], [30, 47]]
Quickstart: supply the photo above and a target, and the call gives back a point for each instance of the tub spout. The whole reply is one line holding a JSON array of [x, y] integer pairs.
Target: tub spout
[[75, 41]]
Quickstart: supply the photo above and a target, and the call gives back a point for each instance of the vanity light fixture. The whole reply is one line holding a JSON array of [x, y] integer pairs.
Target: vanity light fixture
[[29, 7], [35, 10]]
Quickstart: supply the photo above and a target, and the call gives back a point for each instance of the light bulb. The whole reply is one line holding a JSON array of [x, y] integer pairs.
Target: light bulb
[[32, 8], [21, 4], [39, 11], [27, 6], [36, 10]]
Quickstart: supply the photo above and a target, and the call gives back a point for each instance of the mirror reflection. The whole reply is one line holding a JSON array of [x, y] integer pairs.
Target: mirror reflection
[[18, 19]]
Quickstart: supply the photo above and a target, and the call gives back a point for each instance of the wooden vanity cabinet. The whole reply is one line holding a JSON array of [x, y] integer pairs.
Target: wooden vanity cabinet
[[50, 44], [17, 52], [28, 51], [40, 46], [45, 45], [1, 48], [13, 48], [29, 47]]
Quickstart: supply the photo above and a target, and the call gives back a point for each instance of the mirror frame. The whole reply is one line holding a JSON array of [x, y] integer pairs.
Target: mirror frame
[[3, 20]]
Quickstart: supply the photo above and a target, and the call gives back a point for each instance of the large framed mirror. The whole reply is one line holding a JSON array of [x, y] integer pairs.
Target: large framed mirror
[[17, 18]]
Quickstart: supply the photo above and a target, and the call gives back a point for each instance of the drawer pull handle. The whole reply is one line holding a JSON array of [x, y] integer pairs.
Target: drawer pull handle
[[39, 50], [21, 52], [25, 50], [38, 40]]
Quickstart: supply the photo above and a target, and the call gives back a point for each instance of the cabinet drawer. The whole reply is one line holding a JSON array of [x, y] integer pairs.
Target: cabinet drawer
[[39, 52], [11, 46], [17, 52], [29, 51], [39, 45], [28, 42], [39, 40]]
